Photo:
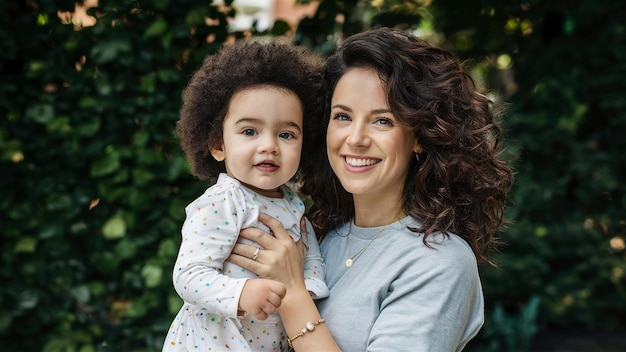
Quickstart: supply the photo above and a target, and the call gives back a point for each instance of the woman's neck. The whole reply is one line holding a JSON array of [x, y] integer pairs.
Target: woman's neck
[[376, 212]]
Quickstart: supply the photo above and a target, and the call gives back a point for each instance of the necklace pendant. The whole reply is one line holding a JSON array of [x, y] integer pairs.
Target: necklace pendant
[[349, 262]]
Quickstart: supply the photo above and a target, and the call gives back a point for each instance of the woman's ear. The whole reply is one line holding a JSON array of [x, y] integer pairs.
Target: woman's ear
[[218, 153], [417, 148]]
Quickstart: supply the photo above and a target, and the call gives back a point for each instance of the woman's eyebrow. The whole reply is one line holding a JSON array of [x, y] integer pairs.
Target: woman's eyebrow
[[342, 107], [374, 112]]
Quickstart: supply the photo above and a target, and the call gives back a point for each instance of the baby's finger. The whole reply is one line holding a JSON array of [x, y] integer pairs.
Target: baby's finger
[[261, 315], [279, 290], [274, 300]]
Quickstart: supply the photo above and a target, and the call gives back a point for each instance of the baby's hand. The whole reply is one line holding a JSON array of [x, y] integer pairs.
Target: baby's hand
[[261, 297]]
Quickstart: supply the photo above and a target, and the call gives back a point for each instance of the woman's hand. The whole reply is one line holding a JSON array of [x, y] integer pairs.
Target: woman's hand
[[281, 259]]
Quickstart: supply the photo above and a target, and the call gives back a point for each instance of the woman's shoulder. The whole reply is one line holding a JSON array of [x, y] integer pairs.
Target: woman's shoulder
[[443, 249]]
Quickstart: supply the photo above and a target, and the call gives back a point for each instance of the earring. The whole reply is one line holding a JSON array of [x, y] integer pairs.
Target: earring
[[417, 150]]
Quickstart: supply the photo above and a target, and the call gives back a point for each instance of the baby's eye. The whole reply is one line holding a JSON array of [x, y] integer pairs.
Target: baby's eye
[[248, 132], [286, 135]]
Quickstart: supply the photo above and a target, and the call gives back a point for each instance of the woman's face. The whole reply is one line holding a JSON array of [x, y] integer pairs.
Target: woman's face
[[368, 148]]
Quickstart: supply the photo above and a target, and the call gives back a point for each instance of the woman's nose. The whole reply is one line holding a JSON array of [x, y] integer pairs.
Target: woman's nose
[[357, 137]]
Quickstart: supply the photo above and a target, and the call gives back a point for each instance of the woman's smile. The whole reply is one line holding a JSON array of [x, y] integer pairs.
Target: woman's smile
[[360, 162]]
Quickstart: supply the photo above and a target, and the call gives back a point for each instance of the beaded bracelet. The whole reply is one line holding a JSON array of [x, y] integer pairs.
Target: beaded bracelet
[[308, 328]]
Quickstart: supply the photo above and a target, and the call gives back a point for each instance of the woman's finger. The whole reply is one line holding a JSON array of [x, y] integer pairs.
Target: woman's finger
[[281, 260], [247, 251], [242, 255], [261, 237], [277, 228], [302, 246]]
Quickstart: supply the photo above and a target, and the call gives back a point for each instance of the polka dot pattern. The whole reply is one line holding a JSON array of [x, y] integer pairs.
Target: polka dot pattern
[[210, 286]]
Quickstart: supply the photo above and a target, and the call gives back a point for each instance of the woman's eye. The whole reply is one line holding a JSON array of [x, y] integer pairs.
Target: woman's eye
[[384, 121], [248, 132], [341, 117], [286, 135]]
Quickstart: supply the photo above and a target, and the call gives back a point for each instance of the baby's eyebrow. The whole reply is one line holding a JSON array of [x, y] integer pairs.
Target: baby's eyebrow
[[250, 120], [255, 121], [293, 124]]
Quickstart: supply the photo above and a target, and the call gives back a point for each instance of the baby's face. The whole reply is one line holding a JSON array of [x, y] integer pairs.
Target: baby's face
[[262, 139]]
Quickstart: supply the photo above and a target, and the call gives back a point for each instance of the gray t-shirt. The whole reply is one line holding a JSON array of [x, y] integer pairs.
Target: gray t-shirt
[[400, 295]]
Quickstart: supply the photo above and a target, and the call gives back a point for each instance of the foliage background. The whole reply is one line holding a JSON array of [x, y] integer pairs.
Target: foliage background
[[93, 184]]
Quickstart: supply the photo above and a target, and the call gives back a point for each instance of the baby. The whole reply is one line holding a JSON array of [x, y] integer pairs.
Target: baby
[[248, 115]]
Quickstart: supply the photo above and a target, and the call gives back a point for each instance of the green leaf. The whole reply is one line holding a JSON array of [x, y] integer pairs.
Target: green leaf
[[156, 28], [26, 245], [152, 275], [126, 249], [174, 303], [5, 321], [41, 113], [141, 138], [59, 125], [161, 4], [114, 228], [106, 164], [28, 300], [81, 294], [109, 51], [142, 177], [88, 128]]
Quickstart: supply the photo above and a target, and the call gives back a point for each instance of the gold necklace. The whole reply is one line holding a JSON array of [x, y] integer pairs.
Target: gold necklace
[[352, 258]]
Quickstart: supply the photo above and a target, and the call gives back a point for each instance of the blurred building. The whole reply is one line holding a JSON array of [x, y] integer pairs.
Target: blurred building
[[262, 13]]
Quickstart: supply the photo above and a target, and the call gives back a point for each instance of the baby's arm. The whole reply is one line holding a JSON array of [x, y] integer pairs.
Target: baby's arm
[[261, 297], [208, 235], [314, 264]]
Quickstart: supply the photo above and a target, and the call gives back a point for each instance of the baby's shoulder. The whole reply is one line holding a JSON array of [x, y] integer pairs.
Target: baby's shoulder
[[224, 191]]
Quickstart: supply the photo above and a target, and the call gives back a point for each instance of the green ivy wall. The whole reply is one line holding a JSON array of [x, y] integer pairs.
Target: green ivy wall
[[93, 183]]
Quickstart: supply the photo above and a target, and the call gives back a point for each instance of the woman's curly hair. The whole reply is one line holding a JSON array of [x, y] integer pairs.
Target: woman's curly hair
[[243, 65], [459, 184]]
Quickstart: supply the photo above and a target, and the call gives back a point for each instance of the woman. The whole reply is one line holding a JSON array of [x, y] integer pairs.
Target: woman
[[409, 205]]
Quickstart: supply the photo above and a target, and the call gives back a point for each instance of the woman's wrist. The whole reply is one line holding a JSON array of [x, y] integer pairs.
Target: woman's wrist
[[298, 311], [309, 327], [297, 308], [297, 294]]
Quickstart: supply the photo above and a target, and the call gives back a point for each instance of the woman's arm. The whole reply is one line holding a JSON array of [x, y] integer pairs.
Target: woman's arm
[[282, 260]]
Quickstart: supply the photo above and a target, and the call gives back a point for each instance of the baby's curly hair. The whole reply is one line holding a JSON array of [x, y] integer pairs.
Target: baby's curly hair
[[248, 63]]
